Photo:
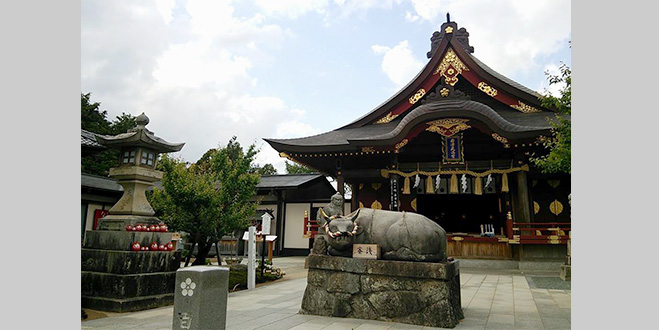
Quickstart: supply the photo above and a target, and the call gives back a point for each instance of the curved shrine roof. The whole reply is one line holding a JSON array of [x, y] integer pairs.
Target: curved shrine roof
[[506, 107]]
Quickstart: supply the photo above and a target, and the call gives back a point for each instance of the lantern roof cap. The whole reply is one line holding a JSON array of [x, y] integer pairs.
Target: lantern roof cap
[[139, 136]]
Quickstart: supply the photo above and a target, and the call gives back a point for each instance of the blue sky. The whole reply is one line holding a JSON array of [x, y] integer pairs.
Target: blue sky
[[204, 71]]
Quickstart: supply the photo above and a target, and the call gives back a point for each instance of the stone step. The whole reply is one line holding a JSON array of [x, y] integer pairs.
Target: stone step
[[548, 265], [129, 262], [117, 286], [127, 304]]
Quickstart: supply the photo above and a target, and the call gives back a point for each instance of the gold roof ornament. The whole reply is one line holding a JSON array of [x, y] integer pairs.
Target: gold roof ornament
[[450, 67], [417, 96], [389, 117], [401, 144], [448, 126], [523, 107], [487, 89]]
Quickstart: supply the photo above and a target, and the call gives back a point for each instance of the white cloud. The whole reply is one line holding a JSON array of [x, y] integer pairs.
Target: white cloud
[[411, 18], [292, 8], [510, 36], [398, 63], [165, 8], [194, 80]]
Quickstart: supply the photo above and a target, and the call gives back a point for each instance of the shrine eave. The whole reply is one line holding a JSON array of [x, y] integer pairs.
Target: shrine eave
[[511, 125]]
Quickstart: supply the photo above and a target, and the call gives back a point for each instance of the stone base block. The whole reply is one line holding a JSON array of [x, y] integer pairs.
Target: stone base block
[[122, 240], [119, 221], [417, 293], [117, 286], [127, 304], [129, 262], [566, 272]]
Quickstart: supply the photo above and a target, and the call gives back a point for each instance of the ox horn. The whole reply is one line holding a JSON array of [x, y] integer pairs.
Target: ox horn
[[322, 213]]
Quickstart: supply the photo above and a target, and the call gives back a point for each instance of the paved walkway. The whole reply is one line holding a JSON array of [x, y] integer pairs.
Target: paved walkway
[[490, 300]]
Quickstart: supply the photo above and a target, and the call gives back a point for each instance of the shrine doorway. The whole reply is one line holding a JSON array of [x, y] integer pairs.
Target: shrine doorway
[[462, 213]]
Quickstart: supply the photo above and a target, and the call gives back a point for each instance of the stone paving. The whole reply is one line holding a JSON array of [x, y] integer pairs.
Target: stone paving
[[490, 300]]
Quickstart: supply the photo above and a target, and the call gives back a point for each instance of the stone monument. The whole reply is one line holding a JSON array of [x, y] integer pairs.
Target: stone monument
[[201, 298], [115, 276], [416, 284]]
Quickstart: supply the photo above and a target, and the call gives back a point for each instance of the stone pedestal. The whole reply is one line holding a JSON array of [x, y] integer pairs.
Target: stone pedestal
[[417, 293], [201, 298], [117, 279]]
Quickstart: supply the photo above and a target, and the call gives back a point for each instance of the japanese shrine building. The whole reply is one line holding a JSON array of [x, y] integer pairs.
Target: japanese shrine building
[[460, 122]]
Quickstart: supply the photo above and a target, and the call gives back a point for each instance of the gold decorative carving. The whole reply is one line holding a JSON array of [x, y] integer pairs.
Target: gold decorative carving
[[449, 29], [444, 92], [523, 107], [402, 143], [499, 138], [487, 89], [361, 205], [536, 207], [448, 126], [417, 96], [413, 204], [361, 186], [389, 117], [554, 183], [458, 238], [376, 205], [450, 67], [376, 186], [368, 149], [556, 207]]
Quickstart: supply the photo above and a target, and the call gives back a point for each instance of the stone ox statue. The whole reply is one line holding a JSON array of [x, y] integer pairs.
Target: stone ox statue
[[400, 235]]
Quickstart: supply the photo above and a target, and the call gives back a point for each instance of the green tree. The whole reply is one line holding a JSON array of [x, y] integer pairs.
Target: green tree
[[208, 199], [293, 168], [122, 124], [267, 169], [559, 144], [94, 120]]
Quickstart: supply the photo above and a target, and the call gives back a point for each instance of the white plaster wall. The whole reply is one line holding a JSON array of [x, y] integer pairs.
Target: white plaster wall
[[295, 226], [91, 207]]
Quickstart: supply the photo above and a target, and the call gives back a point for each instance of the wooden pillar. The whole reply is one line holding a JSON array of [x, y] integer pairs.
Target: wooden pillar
[[523, 202], [280, 221], [354, 202], [339, 183], [509, 225]]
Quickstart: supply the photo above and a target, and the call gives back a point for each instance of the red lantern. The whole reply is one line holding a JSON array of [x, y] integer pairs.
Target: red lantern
[[162, 247], [170, 246], [135, 246], [151, 228], [129, 227], [138, 227], [154, 246]]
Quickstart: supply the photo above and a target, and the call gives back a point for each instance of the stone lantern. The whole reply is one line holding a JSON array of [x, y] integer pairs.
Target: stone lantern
[[139, 149], [117, 275]]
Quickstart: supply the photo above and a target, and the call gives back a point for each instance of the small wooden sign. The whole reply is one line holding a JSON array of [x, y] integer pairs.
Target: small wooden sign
[[176, 236], [366, 251]]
